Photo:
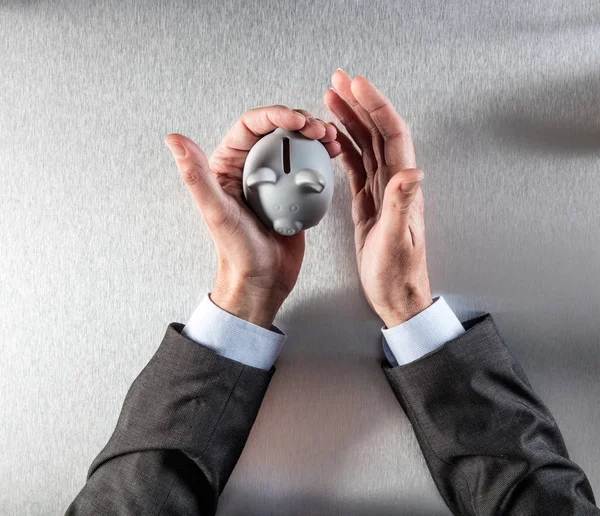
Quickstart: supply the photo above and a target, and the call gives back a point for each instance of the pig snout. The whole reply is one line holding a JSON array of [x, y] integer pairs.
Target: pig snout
[[287, 226]]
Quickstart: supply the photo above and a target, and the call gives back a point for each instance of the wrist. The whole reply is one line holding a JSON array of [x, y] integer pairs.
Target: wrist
[[394, 316], [256, 305]]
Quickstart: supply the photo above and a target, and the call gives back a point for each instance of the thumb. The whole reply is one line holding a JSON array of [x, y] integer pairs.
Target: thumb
[[195, 172], [398, 198]]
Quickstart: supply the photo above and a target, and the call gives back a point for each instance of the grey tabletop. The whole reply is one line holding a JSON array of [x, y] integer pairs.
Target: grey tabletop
[[101, 245]]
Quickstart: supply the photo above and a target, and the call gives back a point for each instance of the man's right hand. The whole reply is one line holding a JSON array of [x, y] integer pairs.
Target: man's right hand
[[387, 202]]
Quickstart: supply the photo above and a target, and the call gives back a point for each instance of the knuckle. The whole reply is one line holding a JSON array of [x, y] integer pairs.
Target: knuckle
[[400, 208], [219, 217], [376, 112], [396, 136], [189, 174], [215, 218], [374, 130]]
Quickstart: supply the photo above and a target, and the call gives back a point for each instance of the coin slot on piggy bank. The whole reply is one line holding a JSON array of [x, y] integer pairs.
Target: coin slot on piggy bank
[[288, 181]]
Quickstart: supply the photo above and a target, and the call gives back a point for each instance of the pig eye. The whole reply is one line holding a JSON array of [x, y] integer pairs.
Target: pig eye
[[261, 176]]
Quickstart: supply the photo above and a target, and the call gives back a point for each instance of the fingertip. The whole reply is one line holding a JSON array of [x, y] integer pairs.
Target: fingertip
[[299, 121], [175, 145], [408, 187], [172, 138], [321, 125], [414, 174], [294, 120], [299, 116], [361, 80], [361, 85], [313, 131], [394, 184], [293, 125], [339, 79], [180, 139], [333, 124], [329, 95], [330, 132], [337, 148], [404, 182], [334, 149], [334, 102], [333, 129], [356, 83]]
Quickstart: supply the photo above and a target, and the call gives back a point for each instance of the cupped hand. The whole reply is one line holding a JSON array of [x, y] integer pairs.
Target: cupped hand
[[387, 201], [257, 268]]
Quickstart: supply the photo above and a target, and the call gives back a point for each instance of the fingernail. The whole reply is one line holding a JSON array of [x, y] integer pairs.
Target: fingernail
[[342, 71], [409, 186], [177, 150], [312, 119]]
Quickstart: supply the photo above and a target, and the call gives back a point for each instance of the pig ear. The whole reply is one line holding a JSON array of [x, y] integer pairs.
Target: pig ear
[[310, 180], [261, 176]]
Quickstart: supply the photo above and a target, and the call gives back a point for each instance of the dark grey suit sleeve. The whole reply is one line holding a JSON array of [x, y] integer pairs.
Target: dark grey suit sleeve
[[490, 443], [182, 428]]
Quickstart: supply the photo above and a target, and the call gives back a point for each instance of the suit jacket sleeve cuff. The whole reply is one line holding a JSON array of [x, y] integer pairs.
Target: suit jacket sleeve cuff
[[422, 334], [232, 337], [182, 428], [491, 444]]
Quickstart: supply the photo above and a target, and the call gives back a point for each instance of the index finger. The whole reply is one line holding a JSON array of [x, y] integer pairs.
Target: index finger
[[398, 149], [229, 157], [255, 123]]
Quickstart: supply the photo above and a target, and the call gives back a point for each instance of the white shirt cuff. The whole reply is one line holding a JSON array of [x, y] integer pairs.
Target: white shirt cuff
[[421, 334], [232, 337]]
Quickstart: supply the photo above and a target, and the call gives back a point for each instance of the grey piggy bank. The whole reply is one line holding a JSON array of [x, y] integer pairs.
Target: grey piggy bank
[[288, 181]]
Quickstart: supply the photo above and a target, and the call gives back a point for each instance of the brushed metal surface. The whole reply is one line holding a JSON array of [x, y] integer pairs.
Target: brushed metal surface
[[101, 245]]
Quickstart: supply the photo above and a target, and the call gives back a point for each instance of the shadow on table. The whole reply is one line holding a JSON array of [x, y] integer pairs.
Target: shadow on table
[[560, 117]]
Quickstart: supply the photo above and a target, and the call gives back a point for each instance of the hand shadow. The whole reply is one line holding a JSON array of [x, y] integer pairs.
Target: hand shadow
[[561, 117]]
